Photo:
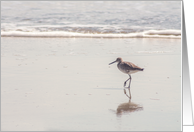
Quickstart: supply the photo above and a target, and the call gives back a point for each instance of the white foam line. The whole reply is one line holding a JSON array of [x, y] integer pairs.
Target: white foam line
[[163, 32], [147, 34]]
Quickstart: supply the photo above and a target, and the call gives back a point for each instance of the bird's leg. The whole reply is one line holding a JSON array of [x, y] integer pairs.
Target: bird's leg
[[126, 82], [129, 86], [126, 94], [130, 80], [129, 93]]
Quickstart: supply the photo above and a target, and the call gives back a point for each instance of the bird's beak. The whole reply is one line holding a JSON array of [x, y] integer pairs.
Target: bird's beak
[[112, 62]]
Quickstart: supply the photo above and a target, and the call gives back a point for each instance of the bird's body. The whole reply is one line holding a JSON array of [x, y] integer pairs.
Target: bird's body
[[128, 68]]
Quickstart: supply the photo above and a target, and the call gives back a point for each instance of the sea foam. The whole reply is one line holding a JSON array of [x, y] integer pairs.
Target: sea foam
[[173, 34]]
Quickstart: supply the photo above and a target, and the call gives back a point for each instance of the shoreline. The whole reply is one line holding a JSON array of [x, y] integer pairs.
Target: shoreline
[[156, 37], [171, 34]]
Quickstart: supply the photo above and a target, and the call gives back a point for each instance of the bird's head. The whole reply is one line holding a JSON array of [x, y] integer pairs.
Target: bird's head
[[117, 60]]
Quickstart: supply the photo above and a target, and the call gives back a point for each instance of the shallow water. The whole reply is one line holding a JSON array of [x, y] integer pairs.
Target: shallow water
[[89, 17], [67, 84]]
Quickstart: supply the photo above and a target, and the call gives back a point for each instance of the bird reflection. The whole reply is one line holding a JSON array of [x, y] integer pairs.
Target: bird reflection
[[128, 107]]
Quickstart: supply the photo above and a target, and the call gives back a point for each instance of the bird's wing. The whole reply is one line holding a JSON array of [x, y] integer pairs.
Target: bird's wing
[[131, 66]]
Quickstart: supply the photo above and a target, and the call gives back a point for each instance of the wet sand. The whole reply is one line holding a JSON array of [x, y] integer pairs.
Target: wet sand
[[66, 84]]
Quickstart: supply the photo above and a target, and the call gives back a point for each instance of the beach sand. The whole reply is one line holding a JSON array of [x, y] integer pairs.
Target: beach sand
[[66, 84]]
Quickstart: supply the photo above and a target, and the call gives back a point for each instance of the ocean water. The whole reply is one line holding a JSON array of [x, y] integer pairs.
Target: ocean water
[[91, 19]]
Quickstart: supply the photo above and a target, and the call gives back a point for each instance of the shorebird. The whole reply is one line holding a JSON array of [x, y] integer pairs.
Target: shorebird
[[128, 68]]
